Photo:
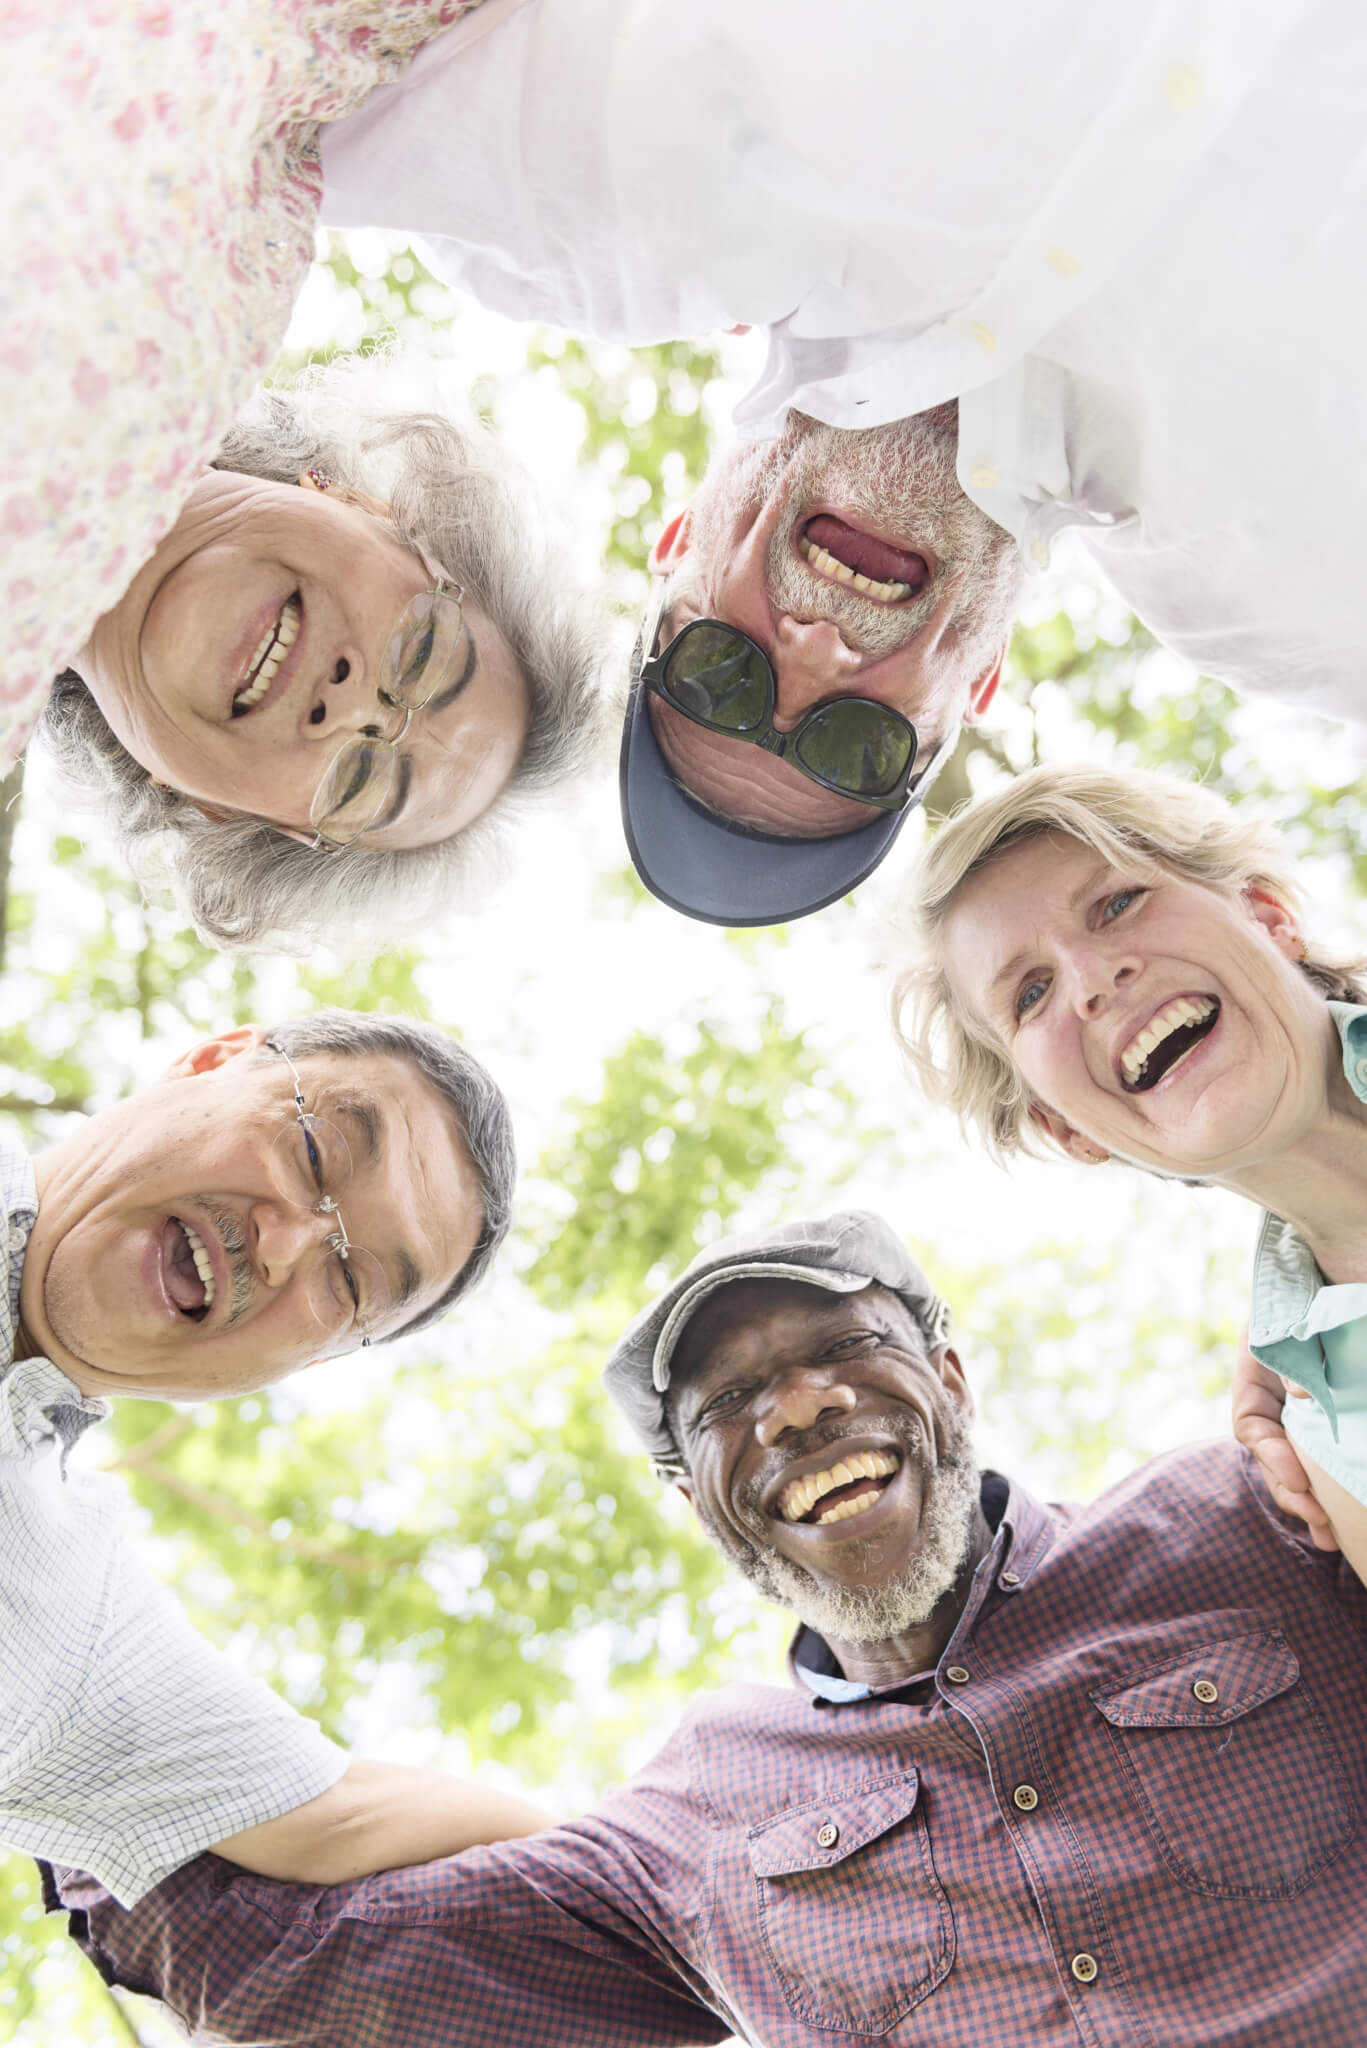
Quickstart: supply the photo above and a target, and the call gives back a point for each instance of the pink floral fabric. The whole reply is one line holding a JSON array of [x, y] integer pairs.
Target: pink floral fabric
[[157, 204]]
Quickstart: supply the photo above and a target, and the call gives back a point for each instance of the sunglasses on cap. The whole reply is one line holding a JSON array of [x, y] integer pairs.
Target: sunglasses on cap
[[719, 678]]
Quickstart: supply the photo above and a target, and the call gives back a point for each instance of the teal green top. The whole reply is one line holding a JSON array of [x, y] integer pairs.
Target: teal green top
[[1313, 1333]]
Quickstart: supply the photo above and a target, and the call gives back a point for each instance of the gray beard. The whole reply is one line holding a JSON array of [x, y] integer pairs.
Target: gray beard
[[898, 477], [873, 1614]]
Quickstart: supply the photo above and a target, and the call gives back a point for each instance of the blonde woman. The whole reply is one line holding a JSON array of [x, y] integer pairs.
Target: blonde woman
[[1113, 966]]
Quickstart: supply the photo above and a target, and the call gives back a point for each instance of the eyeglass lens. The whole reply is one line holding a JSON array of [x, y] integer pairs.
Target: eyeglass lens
[[423, 655], [719, 677], [855, 746], [317, 1165]]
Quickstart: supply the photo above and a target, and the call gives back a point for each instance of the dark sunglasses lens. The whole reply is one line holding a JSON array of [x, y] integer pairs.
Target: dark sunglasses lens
[[714, 674], [861, 748]]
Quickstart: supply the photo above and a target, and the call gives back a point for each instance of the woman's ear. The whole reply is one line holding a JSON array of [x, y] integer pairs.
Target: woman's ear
[[1277, 919], [1066, 1138]]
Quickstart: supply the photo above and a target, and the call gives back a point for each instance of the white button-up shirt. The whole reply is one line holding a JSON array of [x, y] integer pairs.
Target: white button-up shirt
[[127, 1744], [1131, 240]]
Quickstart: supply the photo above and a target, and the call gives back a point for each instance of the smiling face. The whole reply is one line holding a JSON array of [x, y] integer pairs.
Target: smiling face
[[859, 565], [254, 642], [828, 1455], [1148, 1016], [178, 1254]]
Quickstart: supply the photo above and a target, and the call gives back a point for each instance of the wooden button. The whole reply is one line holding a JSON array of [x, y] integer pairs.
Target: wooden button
[[828, 1834], [1084, 1968]]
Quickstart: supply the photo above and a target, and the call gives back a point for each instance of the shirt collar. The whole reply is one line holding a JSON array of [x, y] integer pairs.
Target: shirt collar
[[38, 1403], [1294, 1309], [1022, 1528]]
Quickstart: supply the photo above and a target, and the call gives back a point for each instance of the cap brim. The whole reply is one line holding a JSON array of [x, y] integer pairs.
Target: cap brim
[[834, 1281], [722, 873]]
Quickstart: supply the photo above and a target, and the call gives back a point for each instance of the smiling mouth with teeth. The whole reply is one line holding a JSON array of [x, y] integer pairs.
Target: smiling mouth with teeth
[[1166, 1040], [873, 567], [189, 1271], [843, 1489], [274, 644]]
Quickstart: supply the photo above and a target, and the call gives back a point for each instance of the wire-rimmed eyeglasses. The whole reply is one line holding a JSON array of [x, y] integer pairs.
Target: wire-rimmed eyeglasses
[[318, 1160]]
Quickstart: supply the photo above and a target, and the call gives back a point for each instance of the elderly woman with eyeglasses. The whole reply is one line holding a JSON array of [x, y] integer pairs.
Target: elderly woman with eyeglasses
[[1112, 966], [353, 653]]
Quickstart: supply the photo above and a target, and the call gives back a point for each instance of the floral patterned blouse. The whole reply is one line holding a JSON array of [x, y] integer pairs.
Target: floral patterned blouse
[[157, 205]]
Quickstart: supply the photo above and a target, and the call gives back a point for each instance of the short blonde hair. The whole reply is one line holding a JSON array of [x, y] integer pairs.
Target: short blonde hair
[[1146, 824]]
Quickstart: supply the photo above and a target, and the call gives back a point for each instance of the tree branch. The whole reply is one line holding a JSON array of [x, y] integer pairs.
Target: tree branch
[[220, 1508]]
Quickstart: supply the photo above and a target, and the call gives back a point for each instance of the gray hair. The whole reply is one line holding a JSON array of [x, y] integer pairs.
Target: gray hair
[[455, 490], [478, 1113]]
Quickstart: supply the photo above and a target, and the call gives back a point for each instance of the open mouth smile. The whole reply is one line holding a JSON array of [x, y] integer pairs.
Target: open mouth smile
[[269, 655], [876, 569], [848, 1487], [1171, 1036], [187, 1269]]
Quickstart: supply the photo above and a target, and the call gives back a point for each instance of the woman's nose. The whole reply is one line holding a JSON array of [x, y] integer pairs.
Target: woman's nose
[[797, 1401], [1094, 979], [348, 702]]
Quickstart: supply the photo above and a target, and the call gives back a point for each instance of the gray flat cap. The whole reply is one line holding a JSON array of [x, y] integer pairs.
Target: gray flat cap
[[841, 1253]]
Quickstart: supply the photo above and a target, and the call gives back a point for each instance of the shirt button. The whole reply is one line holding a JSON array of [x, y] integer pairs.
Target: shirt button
[[1009, 1579], [1084, 1968], [1181, 88], [1026, 1798], [1205, 1692], [1062, 260], [1039, 553], [985, 338], [983, 478], [827, 1835], [956, 1674]]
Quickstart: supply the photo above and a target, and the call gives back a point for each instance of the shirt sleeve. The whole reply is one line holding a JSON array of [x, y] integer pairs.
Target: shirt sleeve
[[165, 1749], [561, 1938]]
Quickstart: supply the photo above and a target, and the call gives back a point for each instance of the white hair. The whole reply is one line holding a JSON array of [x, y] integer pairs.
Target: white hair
[[454, 489]]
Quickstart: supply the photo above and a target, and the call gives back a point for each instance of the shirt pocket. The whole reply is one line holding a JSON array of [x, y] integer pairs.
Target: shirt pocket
[[854, 1923], [1232, 1767]]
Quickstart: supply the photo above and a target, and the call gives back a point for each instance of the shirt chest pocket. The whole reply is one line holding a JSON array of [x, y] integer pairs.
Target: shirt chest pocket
[[853, 1920], [1234, 1771]]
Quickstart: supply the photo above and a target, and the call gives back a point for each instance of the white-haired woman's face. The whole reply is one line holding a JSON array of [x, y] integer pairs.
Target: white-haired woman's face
[[1159, 1020], [176, 667]]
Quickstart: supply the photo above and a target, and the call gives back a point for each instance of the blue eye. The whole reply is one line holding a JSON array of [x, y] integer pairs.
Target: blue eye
[[1030, 996], [315, 1158], [1117, 905]]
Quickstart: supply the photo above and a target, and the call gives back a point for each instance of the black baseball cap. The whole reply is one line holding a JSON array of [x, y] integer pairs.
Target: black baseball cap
[[723, 873]]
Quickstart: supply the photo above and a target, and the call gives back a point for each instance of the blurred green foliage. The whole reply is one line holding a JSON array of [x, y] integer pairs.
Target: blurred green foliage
[[489, 1546]]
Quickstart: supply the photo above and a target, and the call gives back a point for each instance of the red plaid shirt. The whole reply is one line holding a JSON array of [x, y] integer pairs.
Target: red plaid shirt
[[1123, 1811]]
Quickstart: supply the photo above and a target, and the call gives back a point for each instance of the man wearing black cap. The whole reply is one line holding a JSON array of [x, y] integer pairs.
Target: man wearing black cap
[[832, 608], [1064, 1776]]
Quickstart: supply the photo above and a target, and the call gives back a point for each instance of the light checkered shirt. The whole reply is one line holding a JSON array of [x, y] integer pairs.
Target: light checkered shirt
[[127, 1744]]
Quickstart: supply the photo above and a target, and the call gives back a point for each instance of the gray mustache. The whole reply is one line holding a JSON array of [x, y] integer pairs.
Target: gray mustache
[[232, 1235]]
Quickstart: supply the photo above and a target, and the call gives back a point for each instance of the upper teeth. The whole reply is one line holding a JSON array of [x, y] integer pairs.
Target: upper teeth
[[1186, 1010], [820, 558], [271, 649], [801, 1496], [203, 1263]]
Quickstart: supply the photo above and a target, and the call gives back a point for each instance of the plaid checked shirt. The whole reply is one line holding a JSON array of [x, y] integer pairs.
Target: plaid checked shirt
[[126, 1741], [1123, 1811]]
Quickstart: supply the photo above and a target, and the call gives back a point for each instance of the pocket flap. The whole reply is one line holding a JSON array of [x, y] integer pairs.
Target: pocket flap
[[1204, 1687], [815, 1837]]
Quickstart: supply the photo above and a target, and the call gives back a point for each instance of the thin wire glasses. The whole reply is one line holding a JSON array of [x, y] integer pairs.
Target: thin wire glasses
[[318, 1160], [722, 680], [421, 660]]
